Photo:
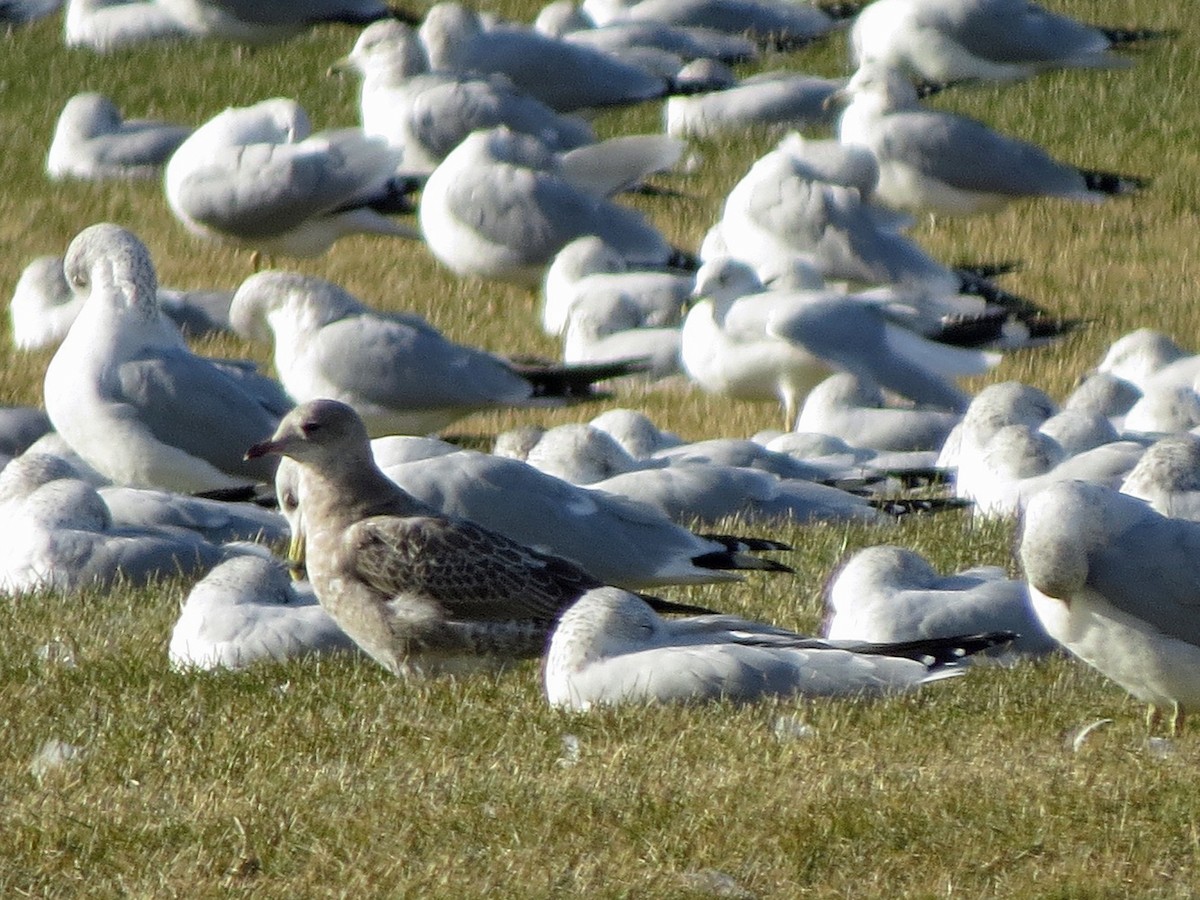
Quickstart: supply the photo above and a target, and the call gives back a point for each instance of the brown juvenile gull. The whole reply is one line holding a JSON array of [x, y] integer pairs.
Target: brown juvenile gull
[[418, 591]]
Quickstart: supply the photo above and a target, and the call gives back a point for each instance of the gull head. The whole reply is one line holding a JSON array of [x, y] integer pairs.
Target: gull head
[[313, 302], [385, 47], [110, 262], [89, 114], [447, 30], [725, 279], [881, 88], [319, 432]]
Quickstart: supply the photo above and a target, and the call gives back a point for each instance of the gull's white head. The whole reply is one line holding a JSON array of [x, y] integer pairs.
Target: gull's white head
[[387, 48], [446, 33], [311, 302], [87, 115], [109, 264]]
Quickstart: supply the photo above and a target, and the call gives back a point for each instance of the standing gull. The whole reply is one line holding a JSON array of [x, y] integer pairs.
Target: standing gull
[[129, 397], [398, 372], [418, 591]]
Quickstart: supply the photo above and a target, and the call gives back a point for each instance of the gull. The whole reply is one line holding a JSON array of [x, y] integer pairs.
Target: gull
[[425, 114], [416, 590], [589, 272], [566, 76], [1146, 358], [502, 204], [607, 330], [247, 609], [1106, 394], [1020, 462], [43, 306], [837, 462], [399, 373], [610, 648], [60, 536], [1077, 430], [931, 161], [1167, 477], [635, 432], [994, 407], [1164, 408], [129, 397], [93, 141], [945, 41], [1116, 583], [104, 26], [566, 19], [257, 176], [778, 345], [616, 540], [853, 408], [217, 521], [884, 594], [769, 22], [767, 100]]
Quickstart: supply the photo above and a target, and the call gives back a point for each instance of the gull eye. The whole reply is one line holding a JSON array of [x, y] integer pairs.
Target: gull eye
[[309, 427], [79, 280]]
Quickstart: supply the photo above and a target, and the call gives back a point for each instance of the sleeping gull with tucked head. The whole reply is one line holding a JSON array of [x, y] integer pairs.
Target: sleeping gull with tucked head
[[128, 395], [1118, 585], [92, 141], [418, 591]]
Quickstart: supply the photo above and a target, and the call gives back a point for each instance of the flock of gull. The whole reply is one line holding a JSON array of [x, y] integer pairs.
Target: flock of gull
[[150, 460]]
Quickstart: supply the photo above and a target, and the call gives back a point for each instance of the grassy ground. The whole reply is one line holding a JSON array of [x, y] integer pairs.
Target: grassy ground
[[334, 779]]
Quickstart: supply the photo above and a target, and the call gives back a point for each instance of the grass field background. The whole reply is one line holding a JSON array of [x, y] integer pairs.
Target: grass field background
[[333, 778]]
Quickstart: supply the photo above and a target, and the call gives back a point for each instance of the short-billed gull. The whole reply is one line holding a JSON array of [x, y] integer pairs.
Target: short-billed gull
[[130, 398], [944, 41], [853, 408], [884, 593], [416, 590], [400, 374], [778, 345], [43, 306], [425, 114], [565, 76], [502, 204], [1168, 477], [60, 536], [1117, 584], [93, 141], [257, 176], [933, 161], [775, 23], [247, 609], [610, 647]]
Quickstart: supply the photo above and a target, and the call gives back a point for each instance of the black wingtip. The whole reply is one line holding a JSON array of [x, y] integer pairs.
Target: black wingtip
[[934, 652], [984, 271], [736, 543], [576, 381], [721, 561], [659, 605], [1121, 36], [907, 506], [1113, 183]]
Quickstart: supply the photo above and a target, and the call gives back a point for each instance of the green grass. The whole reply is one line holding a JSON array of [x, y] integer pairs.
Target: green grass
[[332, 778]]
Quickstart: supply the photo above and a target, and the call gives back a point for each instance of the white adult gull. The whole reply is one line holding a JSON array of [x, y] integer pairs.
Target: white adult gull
[[566, 76], [611, 648], [933, 161], [774, 23], [778, 345], [43, 306], [768, 100], [1117, 584], [129, 396], [416, 590], [92, 141], [944, 41], [399, 373], [256, 176], [502, 204], [247, 609], [425, 114], [854, 409], [883, 594]]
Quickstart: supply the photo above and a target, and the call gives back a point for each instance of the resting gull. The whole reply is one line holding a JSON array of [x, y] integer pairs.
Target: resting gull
[[944, 41], [425, 114], [43, 306], [610, 648], [129, 397], [1118, 585], [257, 176], [932, 161], [885, 593], [93, 141], [247, 609], [502, 204], [399, 373], [418, 591]]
